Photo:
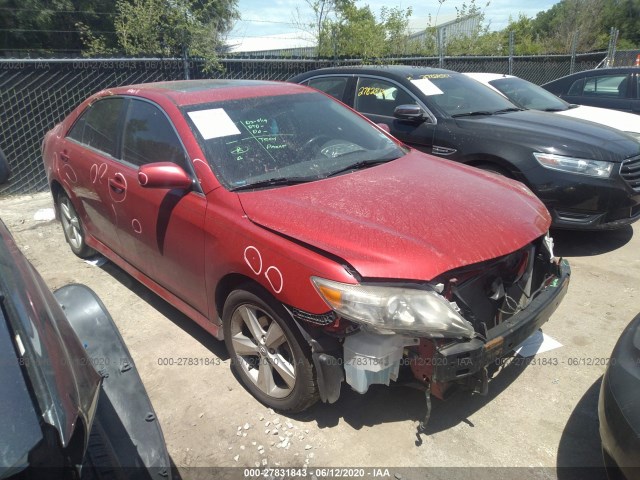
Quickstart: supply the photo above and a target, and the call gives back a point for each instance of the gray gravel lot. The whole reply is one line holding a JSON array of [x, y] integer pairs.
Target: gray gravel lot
[[541, 415]]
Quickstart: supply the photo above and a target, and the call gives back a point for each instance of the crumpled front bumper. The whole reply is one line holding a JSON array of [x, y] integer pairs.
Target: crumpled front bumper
[[463, 359]]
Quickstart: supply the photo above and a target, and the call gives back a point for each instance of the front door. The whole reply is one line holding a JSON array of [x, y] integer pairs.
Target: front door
[[377, 98], [160, 230]]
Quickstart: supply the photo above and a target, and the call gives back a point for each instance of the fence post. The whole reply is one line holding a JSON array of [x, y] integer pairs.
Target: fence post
[[511, 51], [441, 41], [185, 62], [611, 51], [574, 47]]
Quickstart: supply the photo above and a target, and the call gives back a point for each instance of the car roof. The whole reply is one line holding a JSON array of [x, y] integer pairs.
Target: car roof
[[190, 92], [595, 72], [398, 72], [487, 77]]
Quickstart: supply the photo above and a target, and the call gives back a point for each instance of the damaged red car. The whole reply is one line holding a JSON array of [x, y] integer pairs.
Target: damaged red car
[[322, 250]]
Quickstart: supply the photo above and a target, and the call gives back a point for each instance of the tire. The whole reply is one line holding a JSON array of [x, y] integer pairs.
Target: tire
[[490, 167], [267, 352], [5, 171], [72, 227], [100, 461]]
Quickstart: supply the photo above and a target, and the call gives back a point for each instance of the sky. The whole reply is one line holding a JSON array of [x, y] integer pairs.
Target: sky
[[260, 18]]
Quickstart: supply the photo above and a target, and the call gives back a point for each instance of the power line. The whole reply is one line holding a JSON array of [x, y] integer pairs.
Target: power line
[[22, 30], [48, 10]]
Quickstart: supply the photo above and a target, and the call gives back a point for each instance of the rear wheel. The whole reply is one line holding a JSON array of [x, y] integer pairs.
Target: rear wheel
[[72, 227], [267, 352]]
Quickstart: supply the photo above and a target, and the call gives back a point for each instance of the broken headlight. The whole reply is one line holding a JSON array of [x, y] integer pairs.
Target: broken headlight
[[402, 310]]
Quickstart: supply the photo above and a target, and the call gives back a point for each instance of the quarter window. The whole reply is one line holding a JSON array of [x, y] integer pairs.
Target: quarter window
[[98, 125], [149, 136]]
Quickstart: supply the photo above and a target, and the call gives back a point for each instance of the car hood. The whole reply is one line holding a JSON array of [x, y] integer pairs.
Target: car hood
[[412, 218], [550, 133], [627, 122]]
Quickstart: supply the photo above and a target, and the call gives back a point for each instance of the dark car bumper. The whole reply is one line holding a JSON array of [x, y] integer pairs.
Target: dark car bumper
[[619, 404], [464, 359], [581, 202]]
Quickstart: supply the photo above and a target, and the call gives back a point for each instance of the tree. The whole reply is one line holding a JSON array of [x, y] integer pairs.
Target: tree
[[174, 27], [42, 27], [323, 11], [356, 32], [395, 23]]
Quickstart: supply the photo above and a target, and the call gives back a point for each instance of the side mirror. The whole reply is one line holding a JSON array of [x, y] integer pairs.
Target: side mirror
[[5, 171], [411, 113], [384, 127], [163, 175]]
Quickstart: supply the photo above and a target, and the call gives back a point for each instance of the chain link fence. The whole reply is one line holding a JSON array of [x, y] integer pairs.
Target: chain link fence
[[37, 94]]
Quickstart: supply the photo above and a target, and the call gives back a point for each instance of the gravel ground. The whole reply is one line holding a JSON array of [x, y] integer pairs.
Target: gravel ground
[[539, 414]]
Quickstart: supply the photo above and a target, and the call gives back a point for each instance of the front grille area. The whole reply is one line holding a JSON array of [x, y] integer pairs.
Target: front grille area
[[630, 171]]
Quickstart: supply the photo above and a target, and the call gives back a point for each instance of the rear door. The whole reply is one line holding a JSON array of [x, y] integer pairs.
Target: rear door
[[87, 156], [160, 230]]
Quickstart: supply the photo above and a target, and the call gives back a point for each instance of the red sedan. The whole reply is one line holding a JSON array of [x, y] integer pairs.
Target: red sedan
[[319, 247]]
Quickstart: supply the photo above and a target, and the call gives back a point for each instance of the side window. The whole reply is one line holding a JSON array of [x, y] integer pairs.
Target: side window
[[379, 97], [576, 87], [607, 86], [149, 136], [334, 86], [98, 125]]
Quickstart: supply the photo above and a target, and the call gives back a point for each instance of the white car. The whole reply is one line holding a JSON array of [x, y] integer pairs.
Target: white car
[[529, 95]]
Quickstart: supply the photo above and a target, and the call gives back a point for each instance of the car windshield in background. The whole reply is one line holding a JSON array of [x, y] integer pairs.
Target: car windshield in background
[[528, 95], [283, 140], [459, 96]]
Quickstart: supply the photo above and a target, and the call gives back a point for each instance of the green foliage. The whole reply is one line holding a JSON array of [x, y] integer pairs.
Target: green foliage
[[42, 27], [174, 27], [343, 29]]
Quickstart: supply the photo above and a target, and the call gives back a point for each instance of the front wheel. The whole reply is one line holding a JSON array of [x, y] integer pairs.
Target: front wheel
[[72, 227], [493, 168], [267, 352]]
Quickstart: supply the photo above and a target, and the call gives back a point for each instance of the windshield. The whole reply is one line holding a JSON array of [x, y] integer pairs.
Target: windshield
[[528, 95], [282, 140], [457, 95]]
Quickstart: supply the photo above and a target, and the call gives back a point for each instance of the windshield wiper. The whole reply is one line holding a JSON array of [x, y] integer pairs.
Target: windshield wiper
[[510, 109], [359, 165], [472, 114], [553, 109], [273, 182]]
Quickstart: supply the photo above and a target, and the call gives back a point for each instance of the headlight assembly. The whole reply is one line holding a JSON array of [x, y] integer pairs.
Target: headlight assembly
[[401, 310], [581, 166]]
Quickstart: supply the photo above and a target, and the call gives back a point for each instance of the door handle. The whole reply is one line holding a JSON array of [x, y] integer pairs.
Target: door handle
[[64, 156], [117, 185]]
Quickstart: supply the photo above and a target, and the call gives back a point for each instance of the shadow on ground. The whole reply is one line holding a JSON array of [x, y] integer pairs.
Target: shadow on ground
[[181, 320], [382, 404], [579, 452], [570, 243]]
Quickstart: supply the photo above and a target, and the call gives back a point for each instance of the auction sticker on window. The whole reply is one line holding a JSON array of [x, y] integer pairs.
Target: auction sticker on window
[[427, 87], [213, 123]]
